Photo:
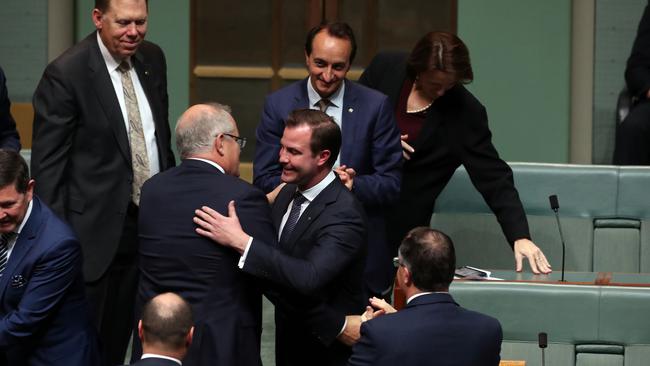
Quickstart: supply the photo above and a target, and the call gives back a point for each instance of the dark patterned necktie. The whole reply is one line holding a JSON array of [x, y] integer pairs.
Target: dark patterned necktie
[[139, 157], [4, 246], [294, 215], [323, 104]]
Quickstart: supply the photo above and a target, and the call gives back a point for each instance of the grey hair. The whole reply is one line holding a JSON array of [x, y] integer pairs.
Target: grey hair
[[197, 136]]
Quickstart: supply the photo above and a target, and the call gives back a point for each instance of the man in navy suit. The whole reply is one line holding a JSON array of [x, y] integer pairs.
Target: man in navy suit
[[317, 266], [371, 155], [165, 330], [432, 329], [44, 319], [173, 258], [8, 135]]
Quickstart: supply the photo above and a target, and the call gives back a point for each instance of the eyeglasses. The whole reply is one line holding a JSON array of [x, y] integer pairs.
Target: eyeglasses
[[241, 141], [397, 262]]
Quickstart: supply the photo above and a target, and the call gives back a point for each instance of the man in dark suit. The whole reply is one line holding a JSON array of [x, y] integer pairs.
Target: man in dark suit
[[317, 266], [432, 329], [44, 319], [8, 135], [165, 330], [633, 133], [370, 159], [174, 258], [100, 130]]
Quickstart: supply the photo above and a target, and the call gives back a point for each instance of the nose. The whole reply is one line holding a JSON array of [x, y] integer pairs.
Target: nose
[[328, 75], [282, 156], [132, 29]]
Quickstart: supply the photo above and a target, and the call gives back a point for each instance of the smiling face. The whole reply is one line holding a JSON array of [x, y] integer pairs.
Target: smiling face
[[300, 165], [13, 206], [328, 63], [122, 26]]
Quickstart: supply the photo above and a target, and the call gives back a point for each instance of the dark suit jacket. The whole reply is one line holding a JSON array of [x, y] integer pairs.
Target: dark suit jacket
[[80, 154], [637, 72], [431, 330], [225, 301], [42, 299], [322, 263], [370, 145], [455, 132], [8, 135]]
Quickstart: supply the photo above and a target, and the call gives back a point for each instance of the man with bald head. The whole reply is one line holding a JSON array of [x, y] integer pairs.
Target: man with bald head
[[174, 258], [165, 330]]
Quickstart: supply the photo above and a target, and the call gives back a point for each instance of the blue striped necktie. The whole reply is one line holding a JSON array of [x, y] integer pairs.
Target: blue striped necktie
[[294, 215], [4, 246]]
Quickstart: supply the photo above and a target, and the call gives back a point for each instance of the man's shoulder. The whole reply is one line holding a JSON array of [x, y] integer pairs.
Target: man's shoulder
[[76, 56], [150, 49], [290, 91], [50, 228]]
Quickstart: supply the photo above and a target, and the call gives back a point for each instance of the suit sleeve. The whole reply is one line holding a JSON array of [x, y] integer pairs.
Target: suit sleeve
[[637, 72], [382, 186], [54, 274], [8, 134], [364, 352], [492, 177], [266, 169], [55, 119]]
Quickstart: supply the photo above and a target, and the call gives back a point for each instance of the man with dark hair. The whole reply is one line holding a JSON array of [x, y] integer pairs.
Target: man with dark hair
[[100, 131], [432, 329], [8, 134], [317, 266], [165, 330], [370, 160], [43, 314]]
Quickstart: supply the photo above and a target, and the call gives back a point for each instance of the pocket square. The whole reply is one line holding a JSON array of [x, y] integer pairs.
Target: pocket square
[[18, 281]]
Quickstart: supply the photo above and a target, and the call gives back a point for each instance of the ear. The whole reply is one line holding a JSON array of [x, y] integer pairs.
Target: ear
[[218, 146], [97, 18], [407, 277], [306, 59], [140, 332], [30, 190], [323, 157], [190, 336]]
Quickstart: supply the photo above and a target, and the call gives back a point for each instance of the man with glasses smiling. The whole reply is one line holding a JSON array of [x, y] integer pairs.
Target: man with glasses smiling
[[174, 258]]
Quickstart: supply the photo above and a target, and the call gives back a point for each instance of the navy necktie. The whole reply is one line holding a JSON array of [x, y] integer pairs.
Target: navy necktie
[[294, 215], [4, 246]]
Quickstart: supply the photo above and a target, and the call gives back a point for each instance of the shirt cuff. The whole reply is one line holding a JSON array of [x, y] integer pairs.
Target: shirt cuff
[[345, 322], [242, 259]]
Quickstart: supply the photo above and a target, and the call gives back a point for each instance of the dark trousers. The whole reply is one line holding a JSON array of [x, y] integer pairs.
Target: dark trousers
[[112, 297], [633, 137]]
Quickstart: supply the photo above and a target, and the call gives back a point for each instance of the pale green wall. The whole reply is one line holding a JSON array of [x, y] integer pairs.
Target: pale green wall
[[521, 55], [169, 27]]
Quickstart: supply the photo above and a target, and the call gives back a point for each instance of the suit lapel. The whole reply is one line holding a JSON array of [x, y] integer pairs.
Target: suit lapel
[[281, 204], [315, 208], [24, 243], [105, 91], [350, 125], [301, 99]]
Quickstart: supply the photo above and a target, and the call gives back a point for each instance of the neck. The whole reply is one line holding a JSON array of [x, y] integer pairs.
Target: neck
[[315, 180]]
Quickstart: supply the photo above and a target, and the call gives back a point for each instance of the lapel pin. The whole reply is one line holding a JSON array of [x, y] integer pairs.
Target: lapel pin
[[18, 281], [350, 110]]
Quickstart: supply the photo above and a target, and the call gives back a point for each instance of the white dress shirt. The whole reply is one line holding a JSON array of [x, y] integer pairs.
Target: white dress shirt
[[146, 116], [152, 355]]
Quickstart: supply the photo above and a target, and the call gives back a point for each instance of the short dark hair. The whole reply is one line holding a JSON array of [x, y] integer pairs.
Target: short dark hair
[[440, 51], [325, 133], [102, 5], [13, 170], [430, 257], [338, 30], [167, 322]]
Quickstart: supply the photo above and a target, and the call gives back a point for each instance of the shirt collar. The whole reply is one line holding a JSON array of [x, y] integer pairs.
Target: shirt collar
[[152, 355], [311, 193], [27, 214], [413, 297], [211, 163], [111, 62], [336, 99]]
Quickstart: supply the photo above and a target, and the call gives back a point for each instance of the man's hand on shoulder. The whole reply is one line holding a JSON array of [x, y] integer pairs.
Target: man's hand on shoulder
[[225, 230], [346, 175], [536, 259]]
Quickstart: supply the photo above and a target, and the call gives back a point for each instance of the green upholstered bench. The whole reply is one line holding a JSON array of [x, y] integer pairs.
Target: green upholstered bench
[[586, 325], [605, 215]]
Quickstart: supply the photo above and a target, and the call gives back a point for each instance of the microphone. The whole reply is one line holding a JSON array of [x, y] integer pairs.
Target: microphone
[[542, 340], [555, 206]]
